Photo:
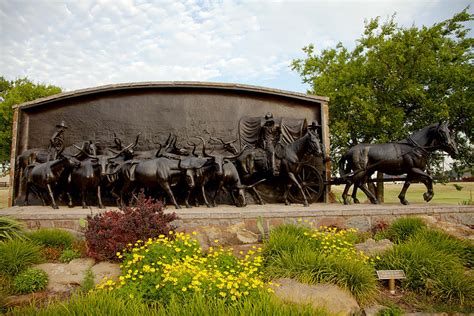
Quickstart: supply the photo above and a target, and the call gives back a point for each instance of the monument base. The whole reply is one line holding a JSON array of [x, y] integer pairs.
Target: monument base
[[235, 225]]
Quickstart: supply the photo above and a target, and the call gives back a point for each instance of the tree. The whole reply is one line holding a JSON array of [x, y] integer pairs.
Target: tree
[[16, 92], [396, 80]]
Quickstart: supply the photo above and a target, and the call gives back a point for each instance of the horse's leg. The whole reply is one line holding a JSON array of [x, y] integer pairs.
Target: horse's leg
[[346, 191], [354, 194], [406, 185], [373, 199], [359, 179], [427, 181], [293, 178], [54, 205], [99, 197]]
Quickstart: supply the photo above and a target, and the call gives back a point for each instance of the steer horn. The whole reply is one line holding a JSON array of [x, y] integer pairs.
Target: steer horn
[[194, 148], [204, 147], [243, 186], [238, 154], [84, 152]]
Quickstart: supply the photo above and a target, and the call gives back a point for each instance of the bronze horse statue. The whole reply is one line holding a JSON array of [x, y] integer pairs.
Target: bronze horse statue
[[408, 156], [253, 162]]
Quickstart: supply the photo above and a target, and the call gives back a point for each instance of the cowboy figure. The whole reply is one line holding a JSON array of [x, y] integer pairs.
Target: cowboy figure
[[56, 142], [268, 137]]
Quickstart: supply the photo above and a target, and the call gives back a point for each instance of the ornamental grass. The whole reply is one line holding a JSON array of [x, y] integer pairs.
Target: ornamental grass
[[323, 255], [112, 303], [435, 265], [163, 267]]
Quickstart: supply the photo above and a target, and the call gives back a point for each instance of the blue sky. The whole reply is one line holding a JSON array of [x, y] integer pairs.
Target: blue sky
[[79, 44]]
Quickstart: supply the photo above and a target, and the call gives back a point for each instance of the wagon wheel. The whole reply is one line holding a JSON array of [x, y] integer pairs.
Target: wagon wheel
[[311, 182]]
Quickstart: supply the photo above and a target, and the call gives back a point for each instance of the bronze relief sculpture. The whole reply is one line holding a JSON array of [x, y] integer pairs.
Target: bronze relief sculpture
[[273, 158]]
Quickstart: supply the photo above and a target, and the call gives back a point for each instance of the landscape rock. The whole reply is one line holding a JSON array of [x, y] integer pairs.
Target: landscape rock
[[63, 277], [25, 299], [331, 297], [456, 230], [107, 270], [373, 248], [374, 310], [226, 235]]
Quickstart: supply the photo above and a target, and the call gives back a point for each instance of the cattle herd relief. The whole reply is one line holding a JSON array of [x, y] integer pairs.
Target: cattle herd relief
[[268, 151]]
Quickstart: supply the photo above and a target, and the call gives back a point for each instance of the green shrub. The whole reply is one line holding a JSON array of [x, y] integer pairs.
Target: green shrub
[[69, 254], [403, 228], [320, 255], [52, 237], [110, 303], [30, 280], [11, 229], [430, 271], [88, 282], [286, 238], [391, 310], [16, 255]]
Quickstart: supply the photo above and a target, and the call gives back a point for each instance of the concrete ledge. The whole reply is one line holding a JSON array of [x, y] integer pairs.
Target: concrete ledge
[[361, 216]]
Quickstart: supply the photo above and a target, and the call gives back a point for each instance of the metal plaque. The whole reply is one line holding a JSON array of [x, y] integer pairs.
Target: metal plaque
[[390, 274]]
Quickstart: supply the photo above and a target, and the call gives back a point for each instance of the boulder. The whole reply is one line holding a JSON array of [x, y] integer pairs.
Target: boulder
[[236, 234], [63, 277], [105, 270], [331, 297], [373, 248], [456, 230], [374, 310]]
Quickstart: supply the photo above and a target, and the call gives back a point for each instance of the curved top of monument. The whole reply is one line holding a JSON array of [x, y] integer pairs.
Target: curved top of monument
[[171, 85]]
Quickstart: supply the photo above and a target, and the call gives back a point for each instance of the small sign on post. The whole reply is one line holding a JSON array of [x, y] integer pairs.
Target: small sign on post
[[391, 276]]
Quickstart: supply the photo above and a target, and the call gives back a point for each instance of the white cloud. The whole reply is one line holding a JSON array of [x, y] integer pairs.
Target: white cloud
[[87, 43]]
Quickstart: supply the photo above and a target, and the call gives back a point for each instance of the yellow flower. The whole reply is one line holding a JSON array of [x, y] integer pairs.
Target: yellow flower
[[184, 289], [223, 294]]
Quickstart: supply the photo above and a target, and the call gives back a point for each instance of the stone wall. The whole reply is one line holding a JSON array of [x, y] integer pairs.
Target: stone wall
[[233, 225]]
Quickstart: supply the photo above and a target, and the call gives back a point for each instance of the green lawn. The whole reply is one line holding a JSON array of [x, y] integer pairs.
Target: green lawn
[[444, 193], [3, 197]]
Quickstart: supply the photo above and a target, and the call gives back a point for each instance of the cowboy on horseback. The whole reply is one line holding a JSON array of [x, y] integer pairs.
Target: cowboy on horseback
[[268, 137], [56, 142]]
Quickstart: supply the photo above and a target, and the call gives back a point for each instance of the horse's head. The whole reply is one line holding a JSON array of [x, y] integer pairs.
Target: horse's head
[[314, 143], [446, 140]]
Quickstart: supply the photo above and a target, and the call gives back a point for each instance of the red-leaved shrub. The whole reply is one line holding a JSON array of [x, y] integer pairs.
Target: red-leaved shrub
[[111, 231]]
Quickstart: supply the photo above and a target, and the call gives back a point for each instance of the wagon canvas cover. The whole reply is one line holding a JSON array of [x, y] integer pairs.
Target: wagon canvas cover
[[291, 130]]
